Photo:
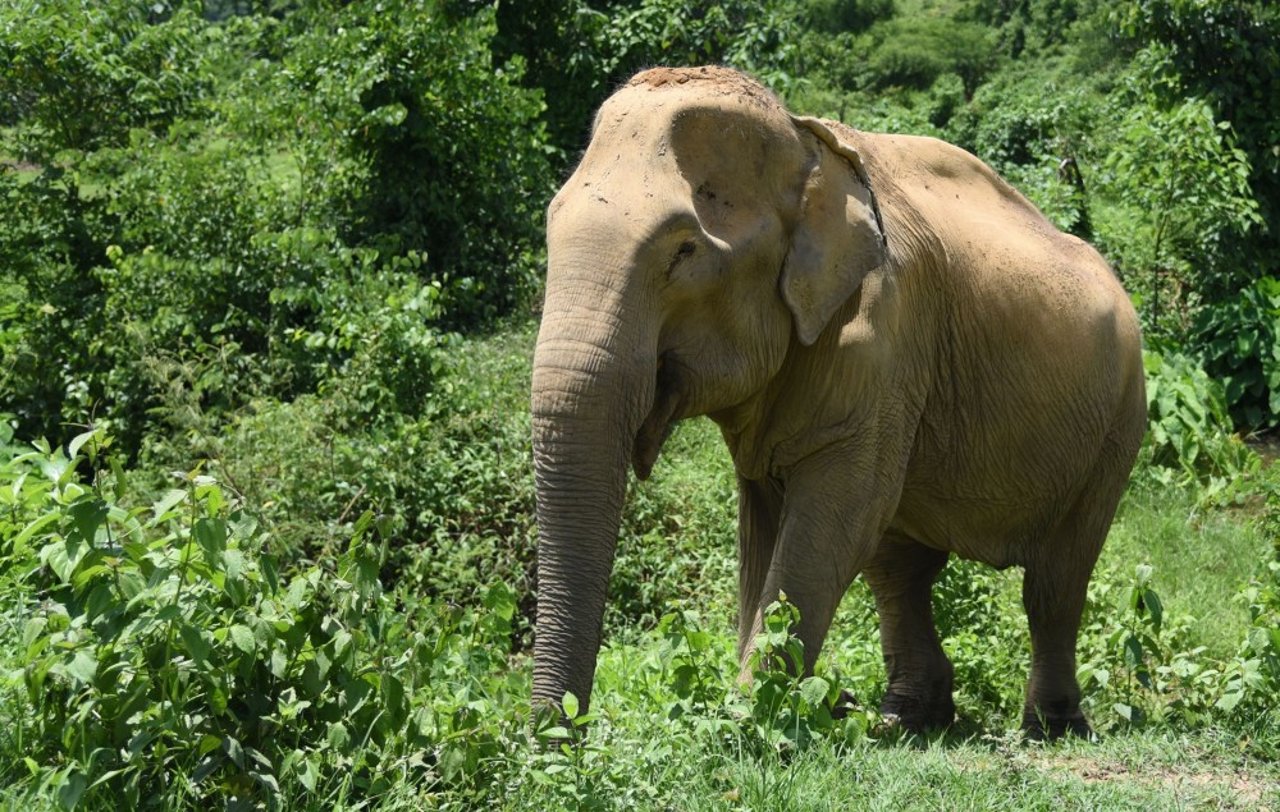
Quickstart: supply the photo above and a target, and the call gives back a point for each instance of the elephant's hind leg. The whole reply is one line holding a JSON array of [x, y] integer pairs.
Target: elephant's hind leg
[[1054, 602], [901, 577], [1053, 593]]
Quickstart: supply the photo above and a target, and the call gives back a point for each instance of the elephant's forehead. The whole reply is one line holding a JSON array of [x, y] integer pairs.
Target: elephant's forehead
[[658, 140], [649, 107], [707, 80]]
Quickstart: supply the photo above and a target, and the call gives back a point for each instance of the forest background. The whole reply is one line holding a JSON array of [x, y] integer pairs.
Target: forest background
[[269, 275]]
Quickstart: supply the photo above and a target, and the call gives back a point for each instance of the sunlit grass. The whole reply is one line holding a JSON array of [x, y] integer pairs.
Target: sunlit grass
[[1202, 555]]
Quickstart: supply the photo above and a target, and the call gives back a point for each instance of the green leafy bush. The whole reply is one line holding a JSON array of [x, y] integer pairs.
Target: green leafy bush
[[448, 150], [1241, 345], [1184, 186], [789, 710], [315, 165], [81, 75], [1189, 428], [913, 52], [167, 658], [847, 15], [1223, 54]]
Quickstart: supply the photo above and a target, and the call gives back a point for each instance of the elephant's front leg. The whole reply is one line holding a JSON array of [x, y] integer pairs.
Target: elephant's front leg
[[834, 510]]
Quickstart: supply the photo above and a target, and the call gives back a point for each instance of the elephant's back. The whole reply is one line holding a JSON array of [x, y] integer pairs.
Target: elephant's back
[[999, 256]]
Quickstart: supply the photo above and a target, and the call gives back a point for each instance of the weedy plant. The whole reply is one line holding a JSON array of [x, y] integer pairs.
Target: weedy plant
[[1190, 429], [163, 658]]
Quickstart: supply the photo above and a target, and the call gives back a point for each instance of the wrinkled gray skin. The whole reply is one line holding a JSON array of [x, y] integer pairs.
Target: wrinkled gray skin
[[905, 358]]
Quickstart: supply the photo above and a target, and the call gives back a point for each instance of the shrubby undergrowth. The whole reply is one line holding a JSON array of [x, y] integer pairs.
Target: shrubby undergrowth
[[159, 652]]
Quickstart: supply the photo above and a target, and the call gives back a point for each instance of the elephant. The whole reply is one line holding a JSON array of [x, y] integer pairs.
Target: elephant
[[904, 357]]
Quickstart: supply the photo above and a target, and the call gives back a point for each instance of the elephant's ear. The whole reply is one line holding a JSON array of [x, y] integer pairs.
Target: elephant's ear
[[839, 237]]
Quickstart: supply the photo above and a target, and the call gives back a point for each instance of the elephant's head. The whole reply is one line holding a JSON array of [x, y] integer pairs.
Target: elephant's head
[[704, 232]]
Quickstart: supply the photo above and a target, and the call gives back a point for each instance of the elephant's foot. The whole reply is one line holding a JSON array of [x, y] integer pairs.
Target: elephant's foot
[[1039, 725], [845, 703], [919, 713]]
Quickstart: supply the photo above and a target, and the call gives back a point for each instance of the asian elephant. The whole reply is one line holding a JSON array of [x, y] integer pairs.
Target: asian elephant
[[905, 358]]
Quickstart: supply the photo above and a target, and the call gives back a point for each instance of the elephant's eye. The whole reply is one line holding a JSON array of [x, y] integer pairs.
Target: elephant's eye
[[685, 250]]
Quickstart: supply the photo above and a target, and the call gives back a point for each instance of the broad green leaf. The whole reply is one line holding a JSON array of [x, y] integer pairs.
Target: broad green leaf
[[814, 691], [231, 746], [267, 780], [338, 737], [1133, 652], [211, 535], [62, 557], [160, 510], [208, 743], [77, 442], [394, 700], [1152, 601], [20, 541], [309, 774], [279, 664], [32, 629], [242, 638], [84, 666], [87, 515], [71, 788], [193, 639]]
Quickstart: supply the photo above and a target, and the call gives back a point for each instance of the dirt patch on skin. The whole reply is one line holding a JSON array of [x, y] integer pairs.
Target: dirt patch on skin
[[712, 77]]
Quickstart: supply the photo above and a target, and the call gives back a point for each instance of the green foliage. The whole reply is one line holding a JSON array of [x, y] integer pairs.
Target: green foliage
[[787, 709], [1241, 341], [755, 35], [1138, 667], [47, 317], [1188, 424], [847, 15], [1226, 53], [979, 615], [216, 247], [217, 614], [449, 151], [1035, 27], [578, 52], [81, 75], [678, 528], [450, 474], [913, 52], [1185, 185], [169, 658]]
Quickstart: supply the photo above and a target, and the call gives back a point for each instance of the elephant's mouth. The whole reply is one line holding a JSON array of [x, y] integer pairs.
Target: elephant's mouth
[[661, 420]]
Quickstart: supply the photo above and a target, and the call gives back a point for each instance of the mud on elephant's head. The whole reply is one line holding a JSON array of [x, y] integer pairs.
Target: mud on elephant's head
[[704, 231]]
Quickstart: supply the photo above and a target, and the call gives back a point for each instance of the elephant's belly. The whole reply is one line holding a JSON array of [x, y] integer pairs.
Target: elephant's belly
[[982, 522], [996, 487]]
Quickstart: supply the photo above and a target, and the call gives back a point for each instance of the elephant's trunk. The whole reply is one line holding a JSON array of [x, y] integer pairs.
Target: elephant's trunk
[[590, 394]]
